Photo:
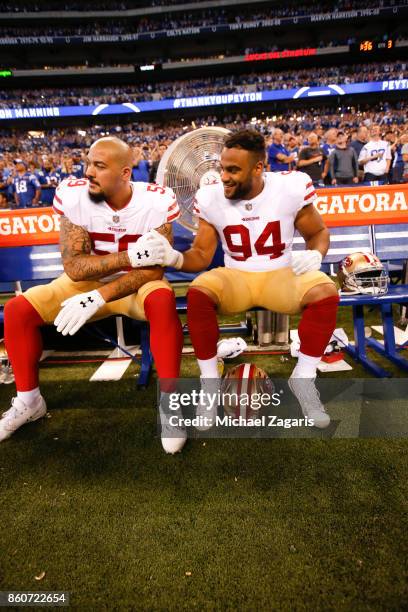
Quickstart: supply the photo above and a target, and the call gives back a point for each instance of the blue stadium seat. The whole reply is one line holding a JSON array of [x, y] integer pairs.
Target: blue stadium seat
[[30, 263], [391, 244], [343, 241]]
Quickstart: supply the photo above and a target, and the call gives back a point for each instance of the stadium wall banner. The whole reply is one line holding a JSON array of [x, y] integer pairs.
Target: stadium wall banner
[[210, 29], [29, 227], [339, 207], [363, 205], [226, 99]]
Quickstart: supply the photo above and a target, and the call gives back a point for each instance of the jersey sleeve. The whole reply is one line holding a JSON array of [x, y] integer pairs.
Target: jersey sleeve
[[67, 199], [306, 193], [201, 201], [173, 209], [163, 202]]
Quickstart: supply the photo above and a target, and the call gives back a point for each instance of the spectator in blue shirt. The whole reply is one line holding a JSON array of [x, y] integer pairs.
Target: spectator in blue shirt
[[49, 179], [278, 155], [77, 164], [141, 167], [26, 186]]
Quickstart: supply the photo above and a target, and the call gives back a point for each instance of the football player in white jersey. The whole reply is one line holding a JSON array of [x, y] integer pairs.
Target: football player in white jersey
[[110, 268], [255, 214], [375, 157]]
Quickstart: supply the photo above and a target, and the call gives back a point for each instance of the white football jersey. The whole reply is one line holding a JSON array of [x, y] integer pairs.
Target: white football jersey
[[257, 234], [376, 166], [114, 230]]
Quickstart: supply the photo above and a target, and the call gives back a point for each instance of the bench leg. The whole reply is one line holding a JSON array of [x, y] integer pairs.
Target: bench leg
[[146, 358], [389, 349], [358, 352]]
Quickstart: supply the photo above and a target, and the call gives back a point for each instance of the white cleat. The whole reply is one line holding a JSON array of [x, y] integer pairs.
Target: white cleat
[[208, 404], [304, 389], [173, 433], [19, 414]]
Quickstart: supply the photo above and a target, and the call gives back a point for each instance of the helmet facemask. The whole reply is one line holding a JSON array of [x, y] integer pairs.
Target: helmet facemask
[[363, 273], [371, 282]]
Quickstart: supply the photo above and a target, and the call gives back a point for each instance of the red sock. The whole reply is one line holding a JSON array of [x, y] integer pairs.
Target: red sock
[[23, 341], [317, 325], [166, 333], [202, 323]]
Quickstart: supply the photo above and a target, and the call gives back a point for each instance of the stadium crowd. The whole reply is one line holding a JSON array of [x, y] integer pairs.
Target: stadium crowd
[[292, 7], [22, 6], [84, 96], [177, 20], [205, 54], [325, 144]]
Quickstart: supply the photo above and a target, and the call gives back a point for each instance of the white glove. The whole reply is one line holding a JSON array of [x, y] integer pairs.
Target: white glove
[[147, 251], [306, 261], [77, 310], [171, 257]]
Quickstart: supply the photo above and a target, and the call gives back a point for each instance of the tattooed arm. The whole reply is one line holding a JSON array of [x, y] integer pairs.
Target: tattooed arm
[[79, 264], [131, 281]]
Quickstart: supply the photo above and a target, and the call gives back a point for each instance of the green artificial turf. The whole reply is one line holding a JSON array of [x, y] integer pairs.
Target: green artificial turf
[[89, 497]]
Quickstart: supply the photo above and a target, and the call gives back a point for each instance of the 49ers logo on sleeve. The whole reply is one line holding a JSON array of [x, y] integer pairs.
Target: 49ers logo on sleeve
[[243, 248]]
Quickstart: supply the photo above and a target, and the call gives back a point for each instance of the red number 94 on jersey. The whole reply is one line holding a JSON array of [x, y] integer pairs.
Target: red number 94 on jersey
[[243, 249]]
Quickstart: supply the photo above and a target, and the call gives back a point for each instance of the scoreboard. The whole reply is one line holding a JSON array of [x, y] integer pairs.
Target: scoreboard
[[370, 46]]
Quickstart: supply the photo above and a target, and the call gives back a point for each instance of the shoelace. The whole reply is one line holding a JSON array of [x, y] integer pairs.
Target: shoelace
[[12, 411]]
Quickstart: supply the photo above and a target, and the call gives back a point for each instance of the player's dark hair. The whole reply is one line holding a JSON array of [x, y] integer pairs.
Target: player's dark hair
[[249, 140]]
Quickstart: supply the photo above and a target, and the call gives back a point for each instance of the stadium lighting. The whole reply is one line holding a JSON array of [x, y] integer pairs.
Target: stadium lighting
[[147, 67]]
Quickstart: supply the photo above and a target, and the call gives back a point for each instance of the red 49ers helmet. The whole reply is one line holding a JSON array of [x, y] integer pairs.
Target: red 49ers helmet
[[362, 273], [242, 388]]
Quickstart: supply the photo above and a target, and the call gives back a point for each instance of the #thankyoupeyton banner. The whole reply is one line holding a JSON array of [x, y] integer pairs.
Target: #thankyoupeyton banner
[[338, 207]]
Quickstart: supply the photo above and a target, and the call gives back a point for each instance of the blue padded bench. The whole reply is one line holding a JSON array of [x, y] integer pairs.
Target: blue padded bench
[[397, 294], [343, 241], [40, 263], [390, 243], [35, 265]]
